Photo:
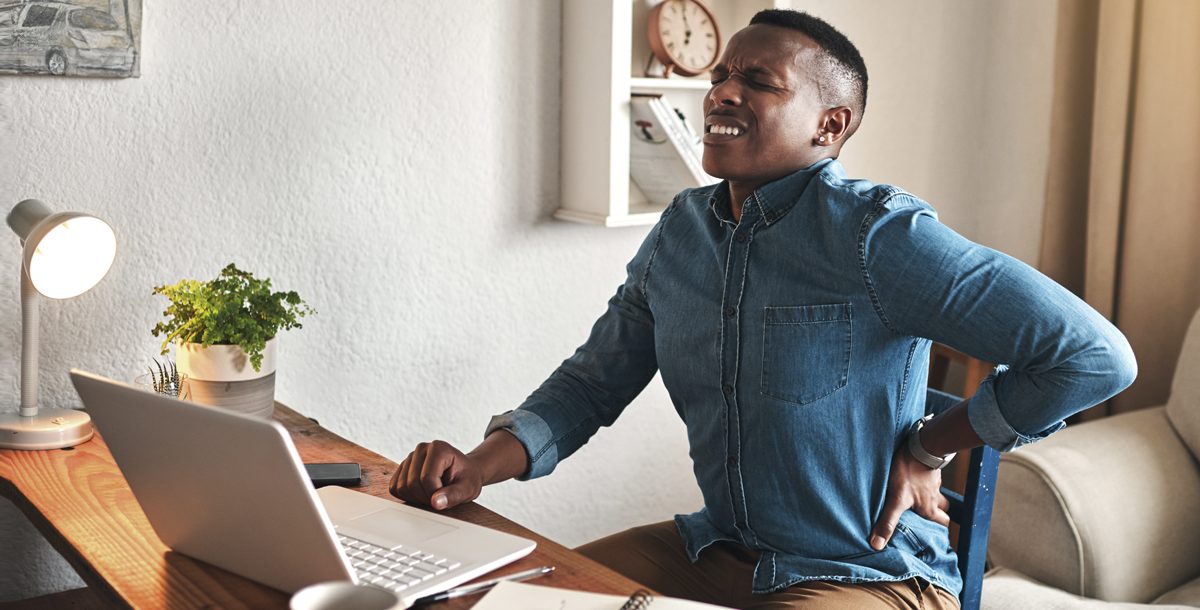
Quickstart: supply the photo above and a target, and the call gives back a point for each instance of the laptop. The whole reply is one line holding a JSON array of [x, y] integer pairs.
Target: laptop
[[229, 489]]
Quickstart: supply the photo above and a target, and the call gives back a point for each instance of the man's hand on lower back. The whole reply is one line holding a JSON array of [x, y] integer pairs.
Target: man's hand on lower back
[[914, 485]]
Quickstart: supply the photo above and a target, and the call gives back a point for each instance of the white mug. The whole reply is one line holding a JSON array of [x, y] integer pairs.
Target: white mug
[[344, 595]]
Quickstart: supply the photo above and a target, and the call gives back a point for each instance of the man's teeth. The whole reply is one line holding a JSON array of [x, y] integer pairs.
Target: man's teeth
[[721, 129]]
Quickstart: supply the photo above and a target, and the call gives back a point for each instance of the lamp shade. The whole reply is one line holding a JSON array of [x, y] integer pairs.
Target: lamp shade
[[65, 253]]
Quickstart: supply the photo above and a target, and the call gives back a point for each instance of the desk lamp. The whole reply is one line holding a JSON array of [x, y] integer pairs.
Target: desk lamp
[[64, 255]]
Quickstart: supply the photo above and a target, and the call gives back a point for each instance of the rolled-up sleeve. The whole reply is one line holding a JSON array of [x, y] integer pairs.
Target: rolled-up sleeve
[[1057, 355], [592, 387]]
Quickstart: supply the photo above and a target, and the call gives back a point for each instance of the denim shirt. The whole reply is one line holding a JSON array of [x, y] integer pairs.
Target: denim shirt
[[794, 345]]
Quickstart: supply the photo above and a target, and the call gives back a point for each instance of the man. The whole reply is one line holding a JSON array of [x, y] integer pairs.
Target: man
[[790, 311]]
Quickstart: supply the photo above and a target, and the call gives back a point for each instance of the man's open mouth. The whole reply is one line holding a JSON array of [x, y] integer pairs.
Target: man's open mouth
[[725, 130]]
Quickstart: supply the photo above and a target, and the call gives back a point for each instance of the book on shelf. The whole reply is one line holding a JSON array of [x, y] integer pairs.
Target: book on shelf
[[680, 132], [682, 126], [664, 151]]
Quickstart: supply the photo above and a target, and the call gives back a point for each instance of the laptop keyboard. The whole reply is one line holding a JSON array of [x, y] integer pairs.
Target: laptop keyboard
[[396, 569]]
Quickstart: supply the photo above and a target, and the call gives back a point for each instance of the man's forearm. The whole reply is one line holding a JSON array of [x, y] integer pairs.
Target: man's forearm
[[950, 432], [500, 457]]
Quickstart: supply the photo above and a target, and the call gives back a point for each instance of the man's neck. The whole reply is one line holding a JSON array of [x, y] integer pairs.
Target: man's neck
[[738, 194]]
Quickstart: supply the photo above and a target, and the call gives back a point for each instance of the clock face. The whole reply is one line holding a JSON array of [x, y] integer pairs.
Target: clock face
[[687, 35]]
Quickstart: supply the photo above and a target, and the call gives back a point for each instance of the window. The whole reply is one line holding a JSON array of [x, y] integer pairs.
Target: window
[[39, 16], [92, 19]]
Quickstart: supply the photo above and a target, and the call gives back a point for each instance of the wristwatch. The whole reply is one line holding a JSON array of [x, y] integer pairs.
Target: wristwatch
[[936, 462]]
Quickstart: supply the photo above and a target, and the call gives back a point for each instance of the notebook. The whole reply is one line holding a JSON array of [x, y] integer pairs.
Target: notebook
[[229, 489], [509, 595]]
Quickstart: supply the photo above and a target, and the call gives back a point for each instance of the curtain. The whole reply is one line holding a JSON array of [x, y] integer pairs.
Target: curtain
[[1122, 208]]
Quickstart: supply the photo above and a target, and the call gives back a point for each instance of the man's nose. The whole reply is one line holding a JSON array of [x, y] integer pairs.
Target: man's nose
[[726, 93]]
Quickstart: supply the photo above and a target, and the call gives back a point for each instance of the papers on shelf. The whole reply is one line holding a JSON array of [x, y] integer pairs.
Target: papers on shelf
[[664, 150]]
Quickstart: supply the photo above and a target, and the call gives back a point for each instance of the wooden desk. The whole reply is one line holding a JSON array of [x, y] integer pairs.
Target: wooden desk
[[81, 503]]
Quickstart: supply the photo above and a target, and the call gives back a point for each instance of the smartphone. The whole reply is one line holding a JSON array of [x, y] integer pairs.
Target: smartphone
[[347, 473]]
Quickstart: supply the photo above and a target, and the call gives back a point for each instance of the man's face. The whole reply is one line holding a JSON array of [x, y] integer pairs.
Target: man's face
[[763, 110]]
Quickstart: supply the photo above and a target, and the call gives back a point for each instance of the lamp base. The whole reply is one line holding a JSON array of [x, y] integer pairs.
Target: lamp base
[[49, 429]]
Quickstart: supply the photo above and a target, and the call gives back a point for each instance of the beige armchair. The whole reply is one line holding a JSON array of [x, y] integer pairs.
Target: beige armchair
[[1105, 514]]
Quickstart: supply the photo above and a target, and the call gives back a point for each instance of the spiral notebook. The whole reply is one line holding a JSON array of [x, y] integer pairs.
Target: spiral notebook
[[508, 595]]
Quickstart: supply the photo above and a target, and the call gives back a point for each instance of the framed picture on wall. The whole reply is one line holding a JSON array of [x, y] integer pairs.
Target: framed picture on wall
[[71, 38]]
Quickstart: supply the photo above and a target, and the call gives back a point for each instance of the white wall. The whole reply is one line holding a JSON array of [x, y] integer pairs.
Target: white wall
[[396, 163], [958, 108]]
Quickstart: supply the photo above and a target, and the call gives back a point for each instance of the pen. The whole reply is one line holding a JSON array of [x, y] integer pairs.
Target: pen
[[482, 586]]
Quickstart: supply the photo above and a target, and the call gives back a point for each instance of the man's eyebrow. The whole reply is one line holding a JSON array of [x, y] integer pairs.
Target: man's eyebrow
[[758, 71], [752, 71]]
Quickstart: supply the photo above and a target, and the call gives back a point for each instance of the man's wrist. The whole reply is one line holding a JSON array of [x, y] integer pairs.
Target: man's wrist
[[500, 457], [917, 450]]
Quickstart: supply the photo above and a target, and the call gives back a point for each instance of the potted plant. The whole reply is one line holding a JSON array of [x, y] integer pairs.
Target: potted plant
[[224, 331]]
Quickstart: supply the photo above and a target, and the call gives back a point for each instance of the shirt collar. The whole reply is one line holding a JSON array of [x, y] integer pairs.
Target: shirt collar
[[772, 200], [718, 202]]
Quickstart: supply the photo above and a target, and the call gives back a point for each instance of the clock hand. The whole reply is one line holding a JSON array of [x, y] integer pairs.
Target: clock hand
[[687, 29]]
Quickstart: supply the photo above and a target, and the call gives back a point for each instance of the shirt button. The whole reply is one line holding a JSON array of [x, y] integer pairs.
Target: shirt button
[[728, 389], [731, 311], [732, 461], [741, 237], [741, 525]]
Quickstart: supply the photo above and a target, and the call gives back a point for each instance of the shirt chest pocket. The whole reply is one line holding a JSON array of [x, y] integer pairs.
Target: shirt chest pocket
[[806, 351]]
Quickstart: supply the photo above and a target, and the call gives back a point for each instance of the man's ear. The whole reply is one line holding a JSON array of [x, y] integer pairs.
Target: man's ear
[[835, 126]]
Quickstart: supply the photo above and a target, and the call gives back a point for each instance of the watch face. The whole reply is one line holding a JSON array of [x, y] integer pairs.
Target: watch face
[[688, 35]]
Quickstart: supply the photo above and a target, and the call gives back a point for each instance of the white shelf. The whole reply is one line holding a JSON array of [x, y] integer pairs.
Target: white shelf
[[652, 85], [603, 46], [630, 218]]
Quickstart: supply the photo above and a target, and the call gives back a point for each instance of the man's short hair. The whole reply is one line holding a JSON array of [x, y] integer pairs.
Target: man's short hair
[[842, 74]]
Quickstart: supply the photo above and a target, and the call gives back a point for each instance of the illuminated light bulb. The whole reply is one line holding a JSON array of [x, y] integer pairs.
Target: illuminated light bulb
[[72, 257]]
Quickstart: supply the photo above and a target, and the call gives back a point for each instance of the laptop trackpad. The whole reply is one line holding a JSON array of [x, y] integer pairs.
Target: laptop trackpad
[[390, 528]]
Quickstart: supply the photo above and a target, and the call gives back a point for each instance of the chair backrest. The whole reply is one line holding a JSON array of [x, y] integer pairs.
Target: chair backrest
[[971, 510]]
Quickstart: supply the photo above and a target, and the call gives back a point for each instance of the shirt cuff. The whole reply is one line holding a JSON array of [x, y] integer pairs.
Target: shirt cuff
[[983, 412], [534, 434]]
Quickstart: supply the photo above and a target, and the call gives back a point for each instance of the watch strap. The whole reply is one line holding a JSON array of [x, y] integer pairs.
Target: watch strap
[[936, 462]]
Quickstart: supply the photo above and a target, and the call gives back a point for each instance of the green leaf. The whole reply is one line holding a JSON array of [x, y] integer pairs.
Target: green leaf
[[235, 308]]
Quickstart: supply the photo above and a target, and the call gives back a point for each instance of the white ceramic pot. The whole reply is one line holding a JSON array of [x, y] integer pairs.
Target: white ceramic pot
[[222, 362], [222, 376]]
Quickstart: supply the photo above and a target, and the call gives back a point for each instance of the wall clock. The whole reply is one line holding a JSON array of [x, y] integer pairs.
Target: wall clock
[[684, 37]]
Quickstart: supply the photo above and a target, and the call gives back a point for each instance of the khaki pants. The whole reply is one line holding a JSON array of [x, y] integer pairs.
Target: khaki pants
[[654, 555]]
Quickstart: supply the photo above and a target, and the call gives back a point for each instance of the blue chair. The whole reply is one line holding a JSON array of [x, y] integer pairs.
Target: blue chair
[[972, 510]]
